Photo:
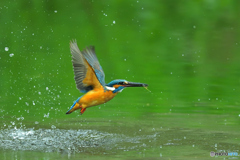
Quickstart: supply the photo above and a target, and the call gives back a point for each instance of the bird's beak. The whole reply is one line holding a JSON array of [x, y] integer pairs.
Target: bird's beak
[[134, 84]]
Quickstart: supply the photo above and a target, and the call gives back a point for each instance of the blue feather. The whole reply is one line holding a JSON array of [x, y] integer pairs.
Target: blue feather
[[75, 103], [116, 81], [118, 89]]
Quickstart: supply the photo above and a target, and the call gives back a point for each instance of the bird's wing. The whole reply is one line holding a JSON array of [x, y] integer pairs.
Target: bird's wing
[[85, 77], [90, 55]]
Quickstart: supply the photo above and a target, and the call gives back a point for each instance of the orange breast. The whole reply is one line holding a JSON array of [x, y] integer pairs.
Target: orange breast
[[96, 97]]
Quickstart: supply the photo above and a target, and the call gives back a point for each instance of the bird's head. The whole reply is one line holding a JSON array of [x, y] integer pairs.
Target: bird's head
[[119, 84]]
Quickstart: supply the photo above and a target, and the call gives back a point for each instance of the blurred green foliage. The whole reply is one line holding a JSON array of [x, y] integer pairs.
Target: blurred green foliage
[[187, 51]]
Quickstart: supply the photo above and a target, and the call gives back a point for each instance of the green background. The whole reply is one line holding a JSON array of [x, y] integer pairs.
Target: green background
[[187, 51]]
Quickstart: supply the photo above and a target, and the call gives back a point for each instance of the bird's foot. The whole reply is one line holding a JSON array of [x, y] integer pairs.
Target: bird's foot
[[82, 111]]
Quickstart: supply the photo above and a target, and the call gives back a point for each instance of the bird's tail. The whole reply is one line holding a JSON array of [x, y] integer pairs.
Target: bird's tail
[[74, 107]]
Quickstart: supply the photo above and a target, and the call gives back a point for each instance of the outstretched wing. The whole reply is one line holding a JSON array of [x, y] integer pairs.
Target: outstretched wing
[[90, 55], [84, 69]]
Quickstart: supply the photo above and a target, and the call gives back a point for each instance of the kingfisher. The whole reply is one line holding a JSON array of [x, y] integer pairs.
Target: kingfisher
[[90, 79]]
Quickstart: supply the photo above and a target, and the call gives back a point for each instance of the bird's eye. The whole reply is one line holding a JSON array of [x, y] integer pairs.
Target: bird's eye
[[122, 83]]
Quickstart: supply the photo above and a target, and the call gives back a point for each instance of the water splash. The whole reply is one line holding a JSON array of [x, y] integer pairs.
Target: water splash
[[67, 141]]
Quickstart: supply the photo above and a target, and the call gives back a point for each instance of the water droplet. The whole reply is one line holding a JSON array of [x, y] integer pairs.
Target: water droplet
[[114, 22], [11, 55], [53, 127], [6, 49], [46, 115]]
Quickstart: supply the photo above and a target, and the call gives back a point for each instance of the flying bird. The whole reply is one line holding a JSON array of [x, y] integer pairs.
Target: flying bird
[[90, 79]]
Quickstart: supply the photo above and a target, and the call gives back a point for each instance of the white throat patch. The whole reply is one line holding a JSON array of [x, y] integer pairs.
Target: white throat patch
[[110, 88]]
